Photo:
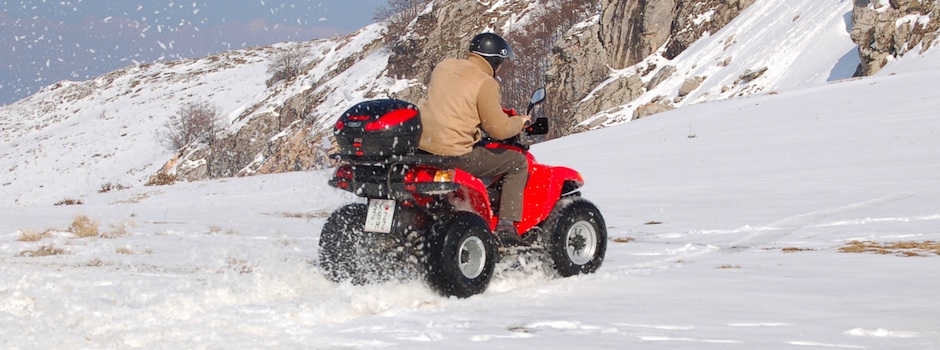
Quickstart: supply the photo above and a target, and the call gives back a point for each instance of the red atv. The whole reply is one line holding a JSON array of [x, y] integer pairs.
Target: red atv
[[424, 217]]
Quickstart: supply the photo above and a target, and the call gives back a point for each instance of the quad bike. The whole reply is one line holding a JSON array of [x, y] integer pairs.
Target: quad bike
[[426, 218]]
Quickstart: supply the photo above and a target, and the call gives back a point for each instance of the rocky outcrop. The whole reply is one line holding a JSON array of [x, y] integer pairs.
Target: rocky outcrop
[[651, 108], [444, 32], [579, 64], [624, 34], [632, 30], [694, 18], [885, 30]]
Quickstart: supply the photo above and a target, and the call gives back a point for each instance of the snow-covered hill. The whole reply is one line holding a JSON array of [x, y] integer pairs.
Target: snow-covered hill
[[752, 213], [72, 138], [728, 222]]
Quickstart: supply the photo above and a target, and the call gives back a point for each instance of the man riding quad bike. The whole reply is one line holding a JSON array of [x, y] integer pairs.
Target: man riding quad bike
[[426, 217]]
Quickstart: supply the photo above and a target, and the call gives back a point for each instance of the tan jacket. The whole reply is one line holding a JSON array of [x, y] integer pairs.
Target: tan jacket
[[463, 97]]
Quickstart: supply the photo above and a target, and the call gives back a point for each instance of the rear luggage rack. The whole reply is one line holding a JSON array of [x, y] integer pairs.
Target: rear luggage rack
[[396, 159]]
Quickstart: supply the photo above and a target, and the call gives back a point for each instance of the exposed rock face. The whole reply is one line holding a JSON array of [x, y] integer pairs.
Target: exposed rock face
[[649, 109], [579, 64], [442, 33], [624, 34], [690, 85], [693, 18], [633, 29], [884, 30]]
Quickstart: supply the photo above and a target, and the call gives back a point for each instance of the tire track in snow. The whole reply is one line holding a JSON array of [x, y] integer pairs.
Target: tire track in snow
[[758, 236], [787, 226]]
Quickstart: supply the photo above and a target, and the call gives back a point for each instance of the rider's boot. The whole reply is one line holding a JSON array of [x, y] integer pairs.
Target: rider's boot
[[507, 234]]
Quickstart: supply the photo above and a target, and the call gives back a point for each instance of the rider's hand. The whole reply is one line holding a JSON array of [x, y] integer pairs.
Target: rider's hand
[[527, 118]]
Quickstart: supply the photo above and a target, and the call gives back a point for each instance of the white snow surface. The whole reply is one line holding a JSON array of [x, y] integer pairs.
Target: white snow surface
[[735, 186]]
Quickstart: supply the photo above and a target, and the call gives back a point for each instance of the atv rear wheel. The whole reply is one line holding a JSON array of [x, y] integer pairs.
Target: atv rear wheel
[[460, 255], [339, 240], [575, 237]]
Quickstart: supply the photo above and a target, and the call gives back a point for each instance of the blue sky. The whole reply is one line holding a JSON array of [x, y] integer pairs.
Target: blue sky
[[45, 41]]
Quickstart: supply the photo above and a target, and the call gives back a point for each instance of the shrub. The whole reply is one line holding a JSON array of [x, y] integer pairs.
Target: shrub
[[83, 226], [161, 179], [70, 201], [30, 236], [285, 65], [108, 187], [193, 122], [43, 251]]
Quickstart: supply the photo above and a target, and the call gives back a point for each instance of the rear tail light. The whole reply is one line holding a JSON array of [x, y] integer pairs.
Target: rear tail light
[[429, 174], [444, 175], [344, 172], [391, 119], [344, 176]]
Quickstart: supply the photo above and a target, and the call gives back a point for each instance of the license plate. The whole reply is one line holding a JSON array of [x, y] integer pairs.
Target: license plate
[[380, 215]]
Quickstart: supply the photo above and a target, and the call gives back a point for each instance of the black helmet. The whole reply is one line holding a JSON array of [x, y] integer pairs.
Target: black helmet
[[493, 48]]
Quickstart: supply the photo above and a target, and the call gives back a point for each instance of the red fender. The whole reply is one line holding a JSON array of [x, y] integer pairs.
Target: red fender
[[472, 195], [542, 192]]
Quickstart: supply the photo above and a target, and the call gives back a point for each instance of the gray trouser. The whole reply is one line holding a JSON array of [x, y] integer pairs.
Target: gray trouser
[[512, 165]]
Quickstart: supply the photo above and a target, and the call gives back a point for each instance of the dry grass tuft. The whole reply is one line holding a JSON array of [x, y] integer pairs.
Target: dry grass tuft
[[126, 250], [622, 239], [70, 201], [653, 223], [241, 266], [32, 235], [795, 249], [906, 249], [729, 267], [161, 179], [43, 251], [84, 227], [119, 229], [108, 187]]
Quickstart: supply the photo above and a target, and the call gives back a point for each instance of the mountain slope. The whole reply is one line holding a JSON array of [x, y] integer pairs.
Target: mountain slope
[[753, 213], [73, 139], [70, 139]]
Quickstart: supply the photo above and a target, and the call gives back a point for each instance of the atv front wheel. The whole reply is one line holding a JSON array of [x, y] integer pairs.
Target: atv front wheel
[[460, 255], [576, 237]]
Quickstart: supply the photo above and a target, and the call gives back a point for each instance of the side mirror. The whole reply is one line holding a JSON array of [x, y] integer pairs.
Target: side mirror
[[539, 127], [537, 98]]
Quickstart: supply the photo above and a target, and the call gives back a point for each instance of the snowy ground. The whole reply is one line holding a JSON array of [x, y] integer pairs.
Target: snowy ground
[[754, 197], [726, 220]]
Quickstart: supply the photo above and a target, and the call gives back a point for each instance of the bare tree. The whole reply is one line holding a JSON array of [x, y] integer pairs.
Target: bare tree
[[194, 121], [286, 64], [399, 14], [533, 48]]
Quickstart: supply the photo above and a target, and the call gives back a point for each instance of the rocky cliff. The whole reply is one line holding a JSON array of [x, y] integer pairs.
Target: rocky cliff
[[624, 34], [885, 30]]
